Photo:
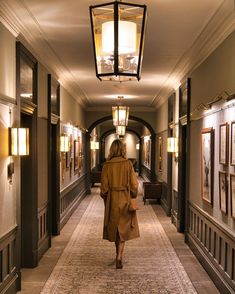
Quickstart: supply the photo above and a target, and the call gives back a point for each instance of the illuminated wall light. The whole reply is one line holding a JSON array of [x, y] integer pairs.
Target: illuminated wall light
[[64, 143], [172, 145], [19, 141], [97, 145], [137, 146]]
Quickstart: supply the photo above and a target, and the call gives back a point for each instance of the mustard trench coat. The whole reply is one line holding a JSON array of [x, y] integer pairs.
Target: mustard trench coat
[[118, 184]]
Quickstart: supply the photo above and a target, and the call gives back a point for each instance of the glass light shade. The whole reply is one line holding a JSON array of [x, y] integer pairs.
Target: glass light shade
[[118, 39], [120, 115], [19, 141], [92, 145], [64, 143], [97, 145], [137, 146], [121, 130], [127, 32], [172, 145]]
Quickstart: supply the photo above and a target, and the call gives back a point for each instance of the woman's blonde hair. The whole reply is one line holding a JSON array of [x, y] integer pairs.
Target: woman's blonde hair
[[117, 149]]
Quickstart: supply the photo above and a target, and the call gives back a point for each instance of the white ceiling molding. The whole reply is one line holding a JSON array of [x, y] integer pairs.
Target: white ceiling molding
[[215, 32], [109, 109], [13, 14]]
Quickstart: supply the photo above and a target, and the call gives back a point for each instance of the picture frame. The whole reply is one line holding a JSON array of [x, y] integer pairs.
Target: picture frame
[[223, 143], [76, 154], [232, 161], [232, 194], [207, 164], [223, 192], [160, 154]]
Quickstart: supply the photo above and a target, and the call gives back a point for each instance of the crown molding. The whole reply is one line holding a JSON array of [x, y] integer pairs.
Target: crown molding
[[23, 25], [214, 33], [109, 109]]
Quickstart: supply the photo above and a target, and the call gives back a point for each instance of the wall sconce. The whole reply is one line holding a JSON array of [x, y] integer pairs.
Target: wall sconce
[[64, 143], [172, 146], [137, 146], [18, 146], [19, 141], [95, 145]]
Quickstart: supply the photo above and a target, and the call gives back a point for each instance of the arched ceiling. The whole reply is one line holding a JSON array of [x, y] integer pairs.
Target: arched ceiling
[[180, 34]]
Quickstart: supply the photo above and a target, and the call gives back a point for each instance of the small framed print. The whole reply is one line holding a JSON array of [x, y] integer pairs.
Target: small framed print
[[232, 194], [223, 193], [160, 154], [233, 143], [207, 164], [223, 143], [76, 153]]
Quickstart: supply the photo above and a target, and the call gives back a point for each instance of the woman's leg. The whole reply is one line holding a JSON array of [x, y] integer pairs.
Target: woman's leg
[[119, 250]]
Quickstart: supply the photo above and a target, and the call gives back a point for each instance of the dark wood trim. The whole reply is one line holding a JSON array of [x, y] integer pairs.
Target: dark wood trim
[[70, 198], [9, 271], [164, 202], [214, 246]]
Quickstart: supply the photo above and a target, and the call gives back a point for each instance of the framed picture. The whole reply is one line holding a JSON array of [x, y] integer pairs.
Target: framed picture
[[223, 143], [160, 154], [76, 151], [233, 143], [207, 164], [223, 195], [232, 194]]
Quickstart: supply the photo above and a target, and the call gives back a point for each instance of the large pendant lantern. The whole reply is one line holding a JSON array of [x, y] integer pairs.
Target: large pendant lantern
[[118, 39], [121, 130], [120, 115]]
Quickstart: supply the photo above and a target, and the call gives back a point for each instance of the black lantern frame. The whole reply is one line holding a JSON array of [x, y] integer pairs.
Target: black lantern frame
[[118, 64]]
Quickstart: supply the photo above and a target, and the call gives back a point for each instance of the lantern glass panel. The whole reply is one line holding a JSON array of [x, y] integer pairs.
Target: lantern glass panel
[[130, 29], [103, 28]]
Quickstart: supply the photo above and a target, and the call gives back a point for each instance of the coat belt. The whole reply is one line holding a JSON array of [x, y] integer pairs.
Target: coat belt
[[121, 188]]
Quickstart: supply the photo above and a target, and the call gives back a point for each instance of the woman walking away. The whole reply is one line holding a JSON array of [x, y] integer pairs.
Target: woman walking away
[[119, 184]]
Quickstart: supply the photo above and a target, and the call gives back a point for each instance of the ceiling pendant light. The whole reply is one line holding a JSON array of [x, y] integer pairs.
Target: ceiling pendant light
[[121, 130], [118, 39], [120, 114]]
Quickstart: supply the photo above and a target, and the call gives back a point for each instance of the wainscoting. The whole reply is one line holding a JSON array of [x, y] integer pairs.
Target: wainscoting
[[145, 173], [9, 278], [43, 236], [70, 198], [165, 201], [214, 246], [174, 210]]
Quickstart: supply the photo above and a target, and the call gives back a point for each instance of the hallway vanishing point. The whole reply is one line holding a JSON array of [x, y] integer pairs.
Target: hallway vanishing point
[[79, 261]]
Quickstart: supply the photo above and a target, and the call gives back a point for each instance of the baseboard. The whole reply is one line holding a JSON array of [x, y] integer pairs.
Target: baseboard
[[212, 271]]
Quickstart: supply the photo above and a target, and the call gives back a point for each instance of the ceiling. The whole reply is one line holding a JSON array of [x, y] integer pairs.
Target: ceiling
[[180, 34]]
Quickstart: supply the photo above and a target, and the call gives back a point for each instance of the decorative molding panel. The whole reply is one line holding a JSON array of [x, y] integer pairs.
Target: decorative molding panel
[[215, 246], [70, 198], [9, 278], [43, 236]]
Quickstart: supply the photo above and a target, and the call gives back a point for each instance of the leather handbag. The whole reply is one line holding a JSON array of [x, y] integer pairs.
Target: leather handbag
[[133, 205]]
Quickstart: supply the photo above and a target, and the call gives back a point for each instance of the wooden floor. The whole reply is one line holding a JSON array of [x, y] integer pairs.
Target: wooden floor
[[33, 280]]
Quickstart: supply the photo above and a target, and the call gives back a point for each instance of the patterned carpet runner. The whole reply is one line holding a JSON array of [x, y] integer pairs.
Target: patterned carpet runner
[[87, 264]]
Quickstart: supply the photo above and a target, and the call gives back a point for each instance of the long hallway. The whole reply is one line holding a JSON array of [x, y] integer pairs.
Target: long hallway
[[81, 262]]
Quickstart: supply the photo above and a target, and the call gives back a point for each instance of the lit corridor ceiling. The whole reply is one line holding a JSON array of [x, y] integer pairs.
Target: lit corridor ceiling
[[180, 34]]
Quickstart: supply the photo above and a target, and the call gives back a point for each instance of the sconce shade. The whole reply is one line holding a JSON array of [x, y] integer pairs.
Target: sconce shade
[[172, 144], [19, 141], [137, 146], [94, 145], [118, 39], [64, 143], [120, 115], [121, 130]]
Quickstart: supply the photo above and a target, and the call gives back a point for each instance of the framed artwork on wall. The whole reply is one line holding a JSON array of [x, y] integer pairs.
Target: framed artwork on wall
[[207, 164], [232, 194], [76, 151], [223, 143], [160, 154], [233, 143], [223, 193]]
